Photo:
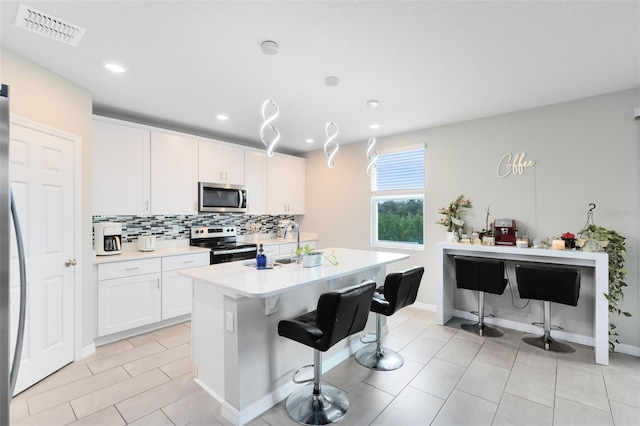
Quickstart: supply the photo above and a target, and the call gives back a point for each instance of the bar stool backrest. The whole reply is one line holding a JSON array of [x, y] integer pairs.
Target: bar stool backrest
[[559, 285], [401, 288], [343, 312], [481, 274]]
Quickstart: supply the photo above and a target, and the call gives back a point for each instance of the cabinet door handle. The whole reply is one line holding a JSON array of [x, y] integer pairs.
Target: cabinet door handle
[[132, 269], [221, 176], [158, 284], [226, 178], [188, 261]]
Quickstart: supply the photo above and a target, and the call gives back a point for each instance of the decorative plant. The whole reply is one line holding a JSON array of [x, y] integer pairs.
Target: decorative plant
[[597, 238], [307, 250], [452, 219]]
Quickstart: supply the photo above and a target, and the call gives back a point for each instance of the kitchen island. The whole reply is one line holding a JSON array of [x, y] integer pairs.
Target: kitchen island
[[239, 357]]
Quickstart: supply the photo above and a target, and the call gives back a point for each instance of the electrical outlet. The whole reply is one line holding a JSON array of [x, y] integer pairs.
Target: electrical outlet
[[229, 322]]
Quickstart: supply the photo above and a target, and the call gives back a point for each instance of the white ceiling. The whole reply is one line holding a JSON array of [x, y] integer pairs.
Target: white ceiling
[[428, 62]]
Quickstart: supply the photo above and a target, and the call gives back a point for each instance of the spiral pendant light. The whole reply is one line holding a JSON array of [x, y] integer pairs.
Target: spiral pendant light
[[331, 146], [269, 134], [372, 154], [372, 157], [269, 140]]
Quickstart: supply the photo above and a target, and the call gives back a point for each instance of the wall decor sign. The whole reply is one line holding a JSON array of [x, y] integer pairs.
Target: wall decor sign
[[513, 164]]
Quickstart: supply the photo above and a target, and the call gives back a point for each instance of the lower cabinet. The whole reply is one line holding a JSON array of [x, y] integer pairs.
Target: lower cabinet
[[177, 291], [135, 293]]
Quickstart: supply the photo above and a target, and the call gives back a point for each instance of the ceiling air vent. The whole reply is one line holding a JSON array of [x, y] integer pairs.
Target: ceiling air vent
[[48, 26]]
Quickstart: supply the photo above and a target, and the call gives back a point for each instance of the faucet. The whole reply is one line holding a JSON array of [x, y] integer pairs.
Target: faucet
[[292, 224]]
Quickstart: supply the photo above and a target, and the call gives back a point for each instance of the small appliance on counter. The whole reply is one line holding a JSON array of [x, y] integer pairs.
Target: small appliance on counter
[[147, 242], [108, 238], [504, 231]]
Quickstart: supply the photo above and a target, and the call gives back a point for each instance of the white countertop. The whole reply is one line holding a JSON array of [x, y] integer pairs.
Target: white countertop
[[529, 251], [238, 279], [160, 252]]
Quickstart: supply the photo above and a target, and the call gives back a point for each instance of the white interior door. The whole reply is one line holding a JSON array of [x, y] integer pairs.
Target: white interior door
[[42, 180]]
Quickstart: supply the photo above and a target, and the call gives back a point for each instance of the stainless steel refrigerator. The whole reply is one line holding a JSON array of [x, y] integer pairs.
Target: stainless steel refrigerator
[[8, 216]]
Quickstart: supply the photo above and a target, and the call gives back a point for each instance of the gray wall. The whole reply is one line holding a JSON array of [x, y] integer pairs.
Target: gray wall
[[586, 151]]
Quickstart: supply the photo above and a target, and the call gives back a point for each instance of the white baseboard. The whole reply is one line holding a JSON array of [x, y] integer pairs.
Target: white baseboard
[[87, 350], [628, 349]]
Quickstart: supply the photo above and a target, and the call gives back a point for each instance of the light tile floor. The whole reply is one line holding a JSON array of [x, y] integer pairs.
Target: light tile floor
[[450, 377]]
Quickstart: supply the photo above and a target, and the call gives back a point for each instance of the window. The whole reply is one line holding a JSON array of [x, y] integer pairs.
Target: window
[[397, 199]]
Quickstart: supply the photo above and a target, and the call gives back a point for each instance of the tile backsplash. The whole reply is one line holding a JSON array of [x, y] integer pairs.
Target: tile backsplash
[[177, 227]]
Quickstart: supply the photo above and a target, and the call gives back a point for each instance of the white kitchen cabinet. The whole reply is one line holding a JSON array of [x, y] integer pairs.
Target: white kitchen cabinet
[[255, 179], [121, 168], [174, 174], [220, 162], [134, 293], [129, 295], [177, 291], [286, 185]]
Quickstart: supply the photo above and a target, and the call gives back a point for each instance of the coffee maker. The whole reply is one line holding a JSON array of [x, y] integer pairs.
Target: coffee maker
[[108, 238], [504, 231]]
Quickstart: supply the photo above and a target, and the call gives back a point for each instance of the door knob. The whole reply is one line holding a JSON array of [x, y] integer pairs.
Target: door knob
[[70, 262]]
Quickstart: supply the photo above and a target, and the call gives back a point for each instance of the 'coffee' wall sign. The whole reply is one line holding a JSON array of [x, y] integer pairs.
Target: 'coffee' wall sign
[[513, 164]]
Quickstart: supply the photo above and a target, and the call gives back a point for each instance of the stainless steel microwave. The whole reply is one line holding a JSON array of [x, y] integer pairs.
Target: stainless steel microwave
[[221, 198]]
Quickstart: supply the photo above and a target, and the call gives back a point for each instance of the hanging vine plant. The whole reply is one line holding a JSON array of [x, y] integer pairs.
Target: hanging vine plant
[[597, 238]]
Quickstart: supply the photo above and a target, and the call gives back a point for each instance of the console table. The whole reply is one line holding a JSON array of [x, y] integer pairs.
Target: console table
[[445, 280]]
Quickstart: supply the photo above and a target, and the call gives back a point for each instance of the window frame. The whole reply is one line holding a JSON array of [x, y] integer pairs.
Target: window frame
[[391, 195]]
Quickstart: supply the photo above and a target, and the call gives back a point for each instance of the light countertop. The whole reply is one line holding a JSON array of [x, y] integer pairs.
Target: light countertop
[[238, 279], [159, 252]]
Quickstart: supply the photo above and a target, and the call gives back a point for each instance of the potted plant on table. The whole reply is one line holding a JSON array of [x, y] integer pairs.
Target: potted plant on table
[[598, 239], [452, 219]]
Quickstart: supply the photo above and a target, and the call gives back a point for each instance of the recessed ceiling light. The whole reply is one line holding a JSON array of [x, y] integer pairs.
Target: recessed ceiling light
[[222, 117], [373, 103], [374, 126], [309, 140], [114, 67]]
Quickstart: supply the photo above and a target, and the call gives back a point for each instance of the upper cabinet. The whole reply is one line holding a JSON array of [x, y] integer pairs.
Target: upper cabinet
[[220, 162], [286, 185], [174, 174], [255, 179], [143, 170], [121, 169]]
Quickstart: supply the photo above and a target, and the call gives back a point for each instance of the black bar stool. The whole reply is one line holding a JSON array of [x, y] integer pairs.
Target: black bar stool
[[559, 285], [339, 314], [484, 276], [399, 290]]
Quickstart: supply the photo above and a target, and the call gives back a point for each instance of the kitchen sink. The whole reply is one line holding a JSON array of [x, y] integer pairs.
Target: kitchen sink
[[287, 260]]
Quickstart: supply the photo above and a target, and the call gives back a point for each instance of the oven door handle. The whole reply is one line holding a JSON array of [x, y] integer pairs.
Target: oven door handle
[[233, 251]]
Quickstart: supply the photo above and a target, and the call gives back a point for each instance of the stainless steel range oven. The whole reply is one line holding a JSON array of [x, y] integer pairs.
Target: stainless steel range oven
[[223, 244]]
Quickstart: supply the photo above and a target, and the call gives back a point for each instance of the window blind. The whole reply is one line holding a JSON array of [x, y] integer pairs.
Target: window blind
[[399, 171]]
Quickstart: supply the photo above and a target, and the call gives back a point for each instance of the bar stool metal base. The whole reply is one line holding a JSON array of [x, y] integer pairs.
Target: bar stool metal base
[[381, 359], [480, 328], [375, 357], [308, 408], [545, 341], [483, 329], [549, 344]]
